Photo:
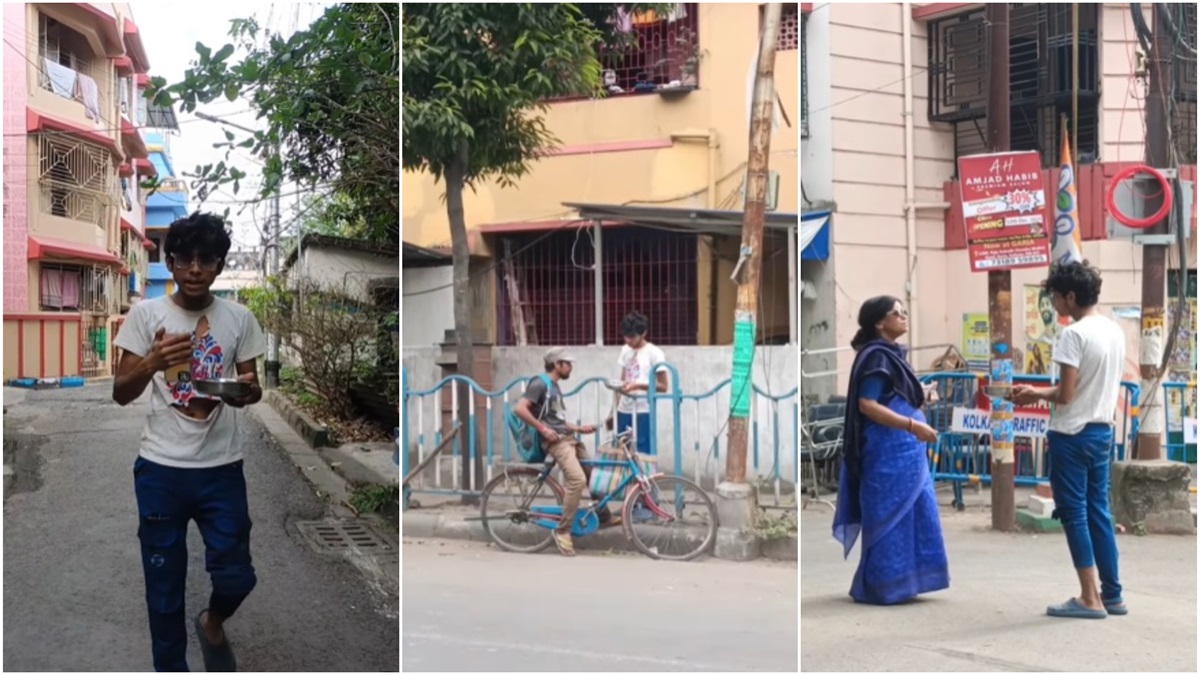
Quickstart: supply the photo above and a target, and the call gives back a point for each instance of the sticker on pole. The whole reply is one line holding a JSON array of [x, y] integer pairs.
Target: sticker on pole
[[1004, 210], [975, 421]]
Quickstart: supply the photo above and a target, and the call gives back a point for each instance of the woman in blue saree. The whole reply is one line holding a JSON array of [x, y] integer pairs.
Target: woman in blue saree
[[885, 493]]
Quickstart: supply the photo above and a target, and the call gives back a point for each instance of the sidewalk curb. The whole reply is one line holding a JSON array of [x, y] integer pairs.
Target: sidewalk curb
[[314, 434], [434, 525], [308, 461]]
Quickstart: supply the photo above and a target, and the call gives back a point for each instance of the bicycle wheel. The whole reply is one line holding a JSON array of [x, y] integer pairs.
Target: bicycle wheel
[[512, 527], [673, 519]]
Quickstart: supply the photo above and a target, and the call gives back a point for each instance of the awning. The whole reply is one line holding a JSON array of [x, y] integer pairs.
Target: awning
[[42, 247], [682, 219], [814, 235]]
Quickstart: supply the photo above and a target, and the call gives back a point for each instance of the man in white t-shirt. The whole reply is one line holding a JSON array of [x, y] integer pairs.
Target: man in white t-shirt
[[189, 464], [637, 359], [1090, 354]]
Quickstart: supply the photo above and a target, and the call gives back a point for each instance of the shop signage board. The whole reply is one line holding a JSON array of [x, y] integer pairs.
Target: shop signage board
[[1004, 210]]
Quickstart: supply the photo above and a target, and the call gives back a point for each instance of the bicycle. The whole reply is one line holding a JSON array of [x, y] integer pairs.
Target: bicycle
[[531, 525]]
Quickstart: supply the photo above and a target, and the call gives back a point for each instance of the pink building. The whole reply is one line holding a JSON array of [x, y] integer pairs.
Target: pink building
[[74, 216], [887, 111]]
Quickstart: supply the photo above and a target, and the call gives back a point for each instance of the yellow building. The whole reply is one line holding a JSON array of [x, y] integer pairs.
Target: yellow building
[[74, 222], [653, 162]]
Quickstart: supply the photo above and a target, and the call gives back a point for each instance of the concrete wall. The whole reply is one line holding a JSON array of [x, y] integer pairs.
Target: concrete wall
[[431, 314], [16, 166], [700, 370], [345, 271]]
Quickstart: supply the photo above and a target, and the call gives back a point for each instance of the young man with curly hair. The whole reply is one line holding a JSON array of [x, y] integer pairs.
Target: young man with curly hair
[[1090, 353], [189, 464]]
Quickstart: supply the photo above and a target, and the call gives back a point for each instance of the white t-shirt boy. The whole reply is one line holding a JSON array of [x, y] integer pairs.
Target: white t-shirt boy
[[1095, 346], [635, 367], [223, 334]]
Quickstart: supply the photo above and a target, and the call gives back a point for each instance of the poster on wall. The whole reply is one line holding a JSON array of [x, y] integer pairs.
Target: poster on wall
[[976, 345], [1042, 328], [1004, 211]]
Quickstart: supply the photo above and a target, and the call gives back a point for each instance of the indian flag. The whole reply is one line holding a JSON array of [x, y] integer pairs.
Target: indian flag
[[1066, 245]]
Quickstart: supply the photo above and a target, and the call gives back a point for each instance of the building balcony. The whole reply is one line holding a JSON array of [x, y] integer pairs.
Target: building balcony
[[71, 76]]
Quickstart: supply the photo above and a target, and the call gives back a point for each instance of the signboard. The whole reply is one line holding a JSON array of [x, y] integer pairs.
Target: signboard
[[1004, 210], [976, 340], [975, 421], [1189, 430]]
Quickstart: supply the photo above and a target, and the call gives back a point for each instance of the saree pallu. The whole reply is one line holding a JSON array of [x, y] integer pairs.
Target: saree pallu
[[893, 506]]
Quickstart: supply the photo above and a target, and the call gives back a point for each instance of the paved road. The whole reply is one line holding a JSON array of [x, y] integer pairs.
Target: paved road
[[470, 608], [992, 618], [73, 590]]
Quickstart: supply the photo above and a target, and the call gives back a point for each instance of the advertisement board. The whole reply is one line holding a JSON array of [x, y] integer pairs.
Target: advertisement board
[[1004, 210]]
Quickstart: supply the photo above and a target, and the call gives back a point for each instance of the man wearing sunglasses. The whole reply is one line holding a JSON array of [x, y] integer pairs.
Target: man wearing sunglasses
[[189, 464]]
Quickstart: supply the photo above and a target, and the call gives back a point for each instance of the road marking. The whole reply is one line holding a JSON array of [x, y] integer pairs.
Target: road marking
[[573, 653]]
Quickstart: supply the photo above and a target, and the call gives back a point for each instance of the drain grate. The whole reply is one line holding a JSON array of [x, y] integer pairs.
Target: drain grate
[[335, 536]]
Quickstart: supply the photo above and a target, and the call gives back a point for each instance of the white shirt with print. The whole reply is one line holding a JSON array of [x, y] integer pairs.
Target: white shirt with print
[[635, 367], [223, 335]]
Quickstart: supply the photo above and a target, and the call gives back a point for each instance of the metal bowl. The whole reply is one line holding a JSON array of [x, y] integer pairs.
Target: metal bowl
[[227, 387]]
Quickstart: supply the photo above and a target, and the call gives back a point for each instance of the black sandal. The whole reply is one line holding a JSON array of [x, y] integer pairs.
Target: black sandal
[[218, 658]]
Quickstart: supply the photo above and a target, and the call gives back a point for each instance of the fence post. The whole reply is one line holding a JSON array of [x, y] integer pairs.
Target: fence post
[[404, 433]]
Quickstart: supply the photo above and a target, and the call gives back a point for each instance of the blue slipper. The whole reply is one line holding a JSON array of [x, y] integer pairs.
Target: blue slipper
[[1116, 606], [1071, 609]]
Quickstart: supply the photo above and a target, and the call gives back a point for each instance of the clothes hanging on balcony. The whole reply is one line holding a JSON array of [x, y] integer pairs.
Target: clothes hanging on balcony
[[622, 22], [62, 79], [70, 290], [51, 289], [90, 94], [678, 14]]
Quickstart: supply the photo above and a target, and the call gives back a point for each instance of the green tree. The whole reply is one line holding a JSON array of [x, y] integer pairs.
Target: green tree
[[330, 97], [476, 79]]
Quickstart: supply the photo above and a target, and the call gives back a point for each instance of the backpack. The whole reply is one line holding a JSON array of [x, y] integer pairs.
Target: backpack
[[529, 441]]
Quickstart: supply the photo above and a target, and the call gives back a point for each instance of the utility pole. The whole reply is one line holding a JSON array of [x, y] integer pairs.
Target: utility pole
[[272, 362], [1154, 256], [736, 499], [1004, 515]]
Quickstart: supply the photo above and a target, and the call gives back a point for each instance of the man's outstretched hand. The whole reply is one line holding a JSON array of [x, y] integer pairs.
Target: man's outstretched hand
[[254, 395]]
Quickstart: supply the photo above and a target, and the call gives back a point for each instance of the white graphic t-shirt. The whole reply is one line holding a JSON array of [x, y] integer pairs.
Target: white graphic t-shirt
[[223, 335], [635, 367]]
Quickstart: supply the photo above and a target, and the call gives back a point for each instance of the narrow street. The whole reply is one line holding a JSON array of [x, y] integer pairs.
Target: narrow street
[[73, 588], [471, 608], [992, 618]]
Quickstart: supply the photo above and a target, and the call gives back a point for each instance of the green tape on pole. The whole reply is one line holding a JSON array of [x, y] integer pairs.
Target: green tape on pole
[[743, 358]]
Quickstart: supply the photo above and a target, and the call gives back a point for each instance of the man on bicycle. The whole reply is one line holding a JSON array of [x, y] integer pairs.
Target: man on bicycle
[[560, 440]]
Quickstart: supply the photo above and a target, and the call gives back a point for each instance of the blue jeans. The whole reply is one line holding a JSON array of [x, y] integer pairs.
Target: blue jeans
[[626, 421], [167, 498], [1079, 478]]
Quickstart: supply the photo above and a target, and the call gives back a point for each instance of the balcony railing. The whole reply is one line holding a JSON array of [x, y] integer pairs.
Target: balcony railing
[[76, 180]]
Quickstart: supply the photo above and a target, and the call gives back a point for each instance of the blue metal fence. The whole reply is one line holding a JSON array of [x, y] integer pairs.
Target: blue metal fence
[[965, 458], [427, 414]]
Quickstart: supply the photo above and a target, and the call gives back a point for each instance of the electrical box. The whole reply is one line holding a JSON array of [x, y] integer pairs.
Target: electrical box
[[1129, 201]]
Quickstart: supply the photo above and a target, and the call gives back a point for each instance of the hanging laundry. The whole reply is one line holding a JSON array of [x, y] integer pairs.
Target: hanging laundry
[[622, 22], [90, 95], [62, 79], [679, 13], [52, 288]]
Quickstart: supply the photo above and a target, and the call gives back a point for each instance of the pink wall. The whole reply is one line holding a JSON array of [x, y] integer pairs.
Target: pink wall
[[16, 80]]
